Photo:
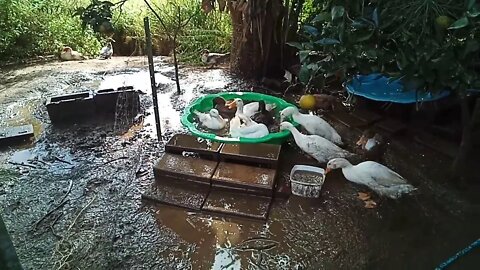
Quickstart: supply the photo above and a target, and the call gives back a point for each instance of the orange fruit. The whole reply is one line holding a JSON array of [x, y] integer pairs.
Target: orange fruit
[[307, 102]]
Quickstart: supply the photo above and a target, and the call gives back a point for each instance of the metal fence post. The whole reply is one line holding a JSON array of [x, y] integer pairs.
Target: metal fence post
[[152, 77]]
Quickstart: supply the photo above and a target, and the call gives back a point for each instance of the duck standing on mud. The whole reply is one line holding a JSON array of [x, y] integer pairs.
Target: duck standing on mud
[[374, 175], [107, 51], [213, 59], [372, 145], [68, 54]]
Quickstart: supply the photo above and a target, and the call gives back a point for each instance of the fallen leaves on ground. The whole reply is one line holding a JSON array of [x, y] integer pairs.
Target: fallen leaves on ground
[[370, 204], [366, 198], [363, 196]]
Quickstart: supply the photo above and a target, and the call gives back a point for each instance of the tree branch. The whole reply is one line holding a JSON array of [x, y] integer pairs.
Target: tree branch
[[120, 3], [188, 20], [158, 17]]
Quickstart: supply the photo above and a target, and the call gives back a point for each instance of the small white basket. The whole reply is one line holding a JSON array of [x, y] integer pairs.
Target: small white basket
[[309, 190]]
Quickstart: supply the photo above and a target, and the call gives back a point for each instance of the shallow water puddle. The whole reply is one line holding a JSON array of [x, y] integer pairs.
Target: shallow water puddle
[[53, 159], [22, 113], [218, 241]]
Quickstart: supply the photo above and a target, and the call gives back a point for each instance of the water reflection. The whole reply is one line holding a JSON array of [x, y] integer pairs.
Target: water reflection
[[217, 240], [226, 258], [22, 113], [21, 156]]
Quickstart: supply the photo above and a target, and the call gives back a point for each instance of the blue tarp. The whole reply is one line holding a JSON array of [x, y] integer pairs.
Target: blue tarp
[[380, 88]]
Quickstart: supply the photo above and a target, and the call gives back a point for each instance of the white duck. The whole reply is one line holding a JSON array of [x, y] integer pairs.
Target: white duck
[[69, 54], [251, 129], [373, 175], [213, 59], [313, 124], [251, 108], [318, 147], [236, 121], [107, 51], [211, 120]]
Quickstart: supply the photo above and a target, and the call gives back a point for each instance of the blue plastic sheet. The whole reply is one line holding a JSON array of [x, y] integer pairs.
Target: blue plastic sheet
[[381, 88]]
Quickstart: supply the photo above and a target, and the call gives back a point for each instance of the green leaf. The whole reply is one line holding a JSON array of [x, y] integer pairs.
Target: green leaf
[[310, 30], [322, 17], [308, 45], [359, 24], [312, 66], [375, 17], [303, 55], [460, 23], [341, 31], [327, 41], [473, 12], [294, 44], [337, 12], [304, 74]]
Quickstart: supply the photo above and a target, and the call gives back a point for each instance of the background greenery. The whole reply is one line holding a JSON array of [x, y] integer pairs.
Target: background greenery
[[432, 44], [40, 27]]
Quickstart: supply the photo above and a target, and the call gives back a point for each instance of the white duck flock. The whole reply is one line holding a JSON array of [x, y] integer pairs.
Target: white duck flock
[[313, 124], [252, 108], [316, 146], [249, 128]]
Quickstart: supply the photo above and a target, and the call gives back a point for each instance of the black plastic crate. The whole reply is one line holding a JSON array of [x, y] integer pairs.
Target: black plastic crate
[[72, 107]]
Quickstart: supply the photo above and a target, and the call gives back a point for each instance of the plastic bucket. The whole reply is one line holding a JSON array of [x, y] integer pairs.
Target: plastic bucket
[[304, 189]]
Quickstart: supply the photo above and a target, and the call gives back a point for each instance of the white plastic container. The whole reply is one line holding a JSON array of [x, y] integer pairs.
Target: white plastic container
[[304, 189]]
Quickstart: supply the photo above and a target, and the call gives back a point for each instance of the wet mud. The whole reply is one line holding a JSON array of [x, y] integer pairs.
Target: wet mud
[[71, 199]]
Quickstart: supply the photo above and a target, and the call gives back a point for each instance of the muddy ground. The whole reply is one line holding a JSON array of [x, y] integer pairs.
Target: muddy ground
[[72, 198]]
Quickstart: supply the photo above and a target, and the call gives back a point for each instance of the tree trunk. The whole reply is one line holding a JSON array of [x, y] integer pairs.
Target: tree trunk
[[175, 62], [257, 42], [468, 158]]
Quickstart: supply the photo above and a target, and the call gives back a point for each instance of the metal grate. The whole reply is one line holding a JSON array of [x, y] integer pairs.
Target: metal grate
[[126, 108]]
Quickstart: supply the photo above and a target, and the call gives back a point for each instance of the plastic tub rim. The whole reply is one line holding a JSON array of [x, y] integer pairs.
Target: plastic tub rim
[[270, 138]]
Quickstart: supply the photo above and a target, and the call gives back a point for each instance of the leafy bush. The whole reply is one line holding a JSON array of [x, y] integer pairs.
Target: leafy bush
[[211, 31], [432, 44], [195, 40], [41, 27]]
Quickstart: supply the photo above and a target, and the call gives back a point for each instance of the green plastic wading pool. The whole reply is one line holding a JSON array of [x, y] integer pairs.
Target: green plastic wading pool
[[205, 103]]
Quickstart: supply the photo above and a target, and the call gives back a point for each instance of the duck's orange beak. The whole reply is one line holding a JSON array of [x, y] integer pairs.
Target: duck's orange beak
[[231, 104], [327, 170]]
